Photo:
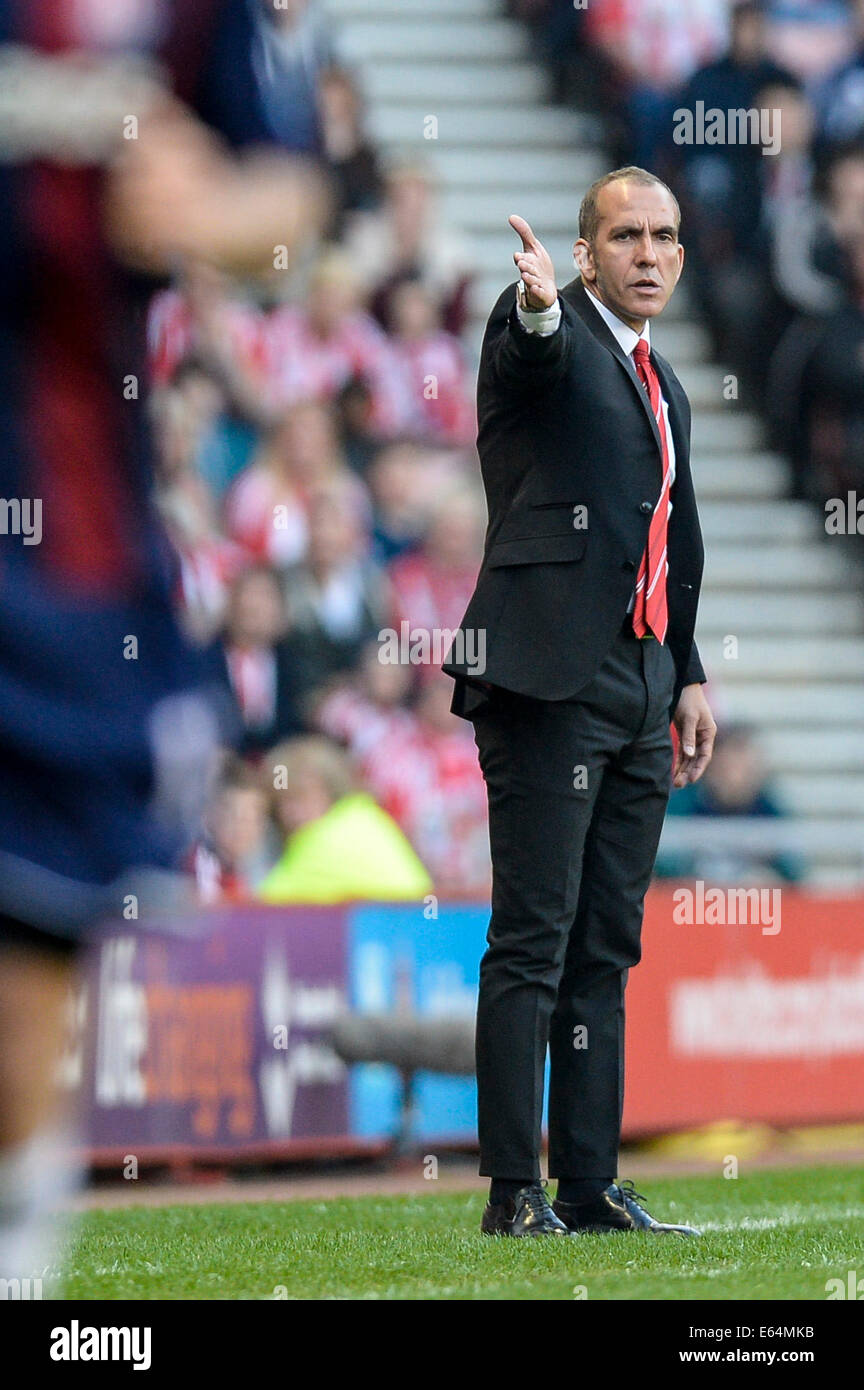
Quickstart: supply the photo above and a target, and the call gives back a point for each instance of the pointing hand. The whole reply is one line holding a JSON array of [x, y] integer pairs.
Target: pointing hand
[[535, 267]]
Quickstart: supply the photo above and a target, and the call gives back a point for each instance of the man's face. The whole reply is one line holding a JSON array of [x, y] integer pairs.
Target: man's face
[[635, 260]]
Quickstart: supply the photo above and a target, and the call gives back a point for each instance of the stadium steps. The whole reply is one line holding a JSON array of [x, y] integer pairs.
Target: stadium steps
[[773, 580]]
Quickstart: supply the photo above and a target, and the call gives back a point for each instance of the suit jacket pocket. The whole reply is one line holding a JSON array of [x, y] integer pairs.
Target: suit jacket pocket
[[537, 550]]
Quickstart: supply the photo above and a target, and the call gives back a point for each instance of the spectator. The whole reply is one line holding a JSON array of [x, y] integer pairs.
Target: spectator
[[312, 351], [820, 431], [844, 195], [408, 237], [431, 586], [236, 852], [433, 366], [266, 507], [784, 273], [336, 597], [840, 97], [653, 46], [427, 776], [811, 37], [796, 224], [355, 414], [399, 483], [580, 73], [351, 157], [207, 561], [204, 313], [256, 660], [340, 845], [367, 711], [722, 190], [735, 784], [223, 441], [819, 368]]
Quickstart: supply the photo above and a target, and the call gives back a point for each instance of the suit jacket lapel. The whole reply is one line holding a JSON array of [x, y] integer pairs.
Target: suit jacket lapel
[[577, 297]]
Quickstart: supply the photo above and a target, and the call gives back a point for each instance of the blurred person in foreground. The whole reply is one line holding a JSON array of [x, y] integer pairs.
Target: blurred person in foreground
[[107, 732], [341, 846], [736, 784], [263, 69], [587, 600]]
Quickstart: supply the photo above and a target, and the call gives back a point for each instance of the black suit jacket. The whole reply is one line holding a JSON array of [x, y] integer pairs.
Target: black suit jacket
[[572, 466]]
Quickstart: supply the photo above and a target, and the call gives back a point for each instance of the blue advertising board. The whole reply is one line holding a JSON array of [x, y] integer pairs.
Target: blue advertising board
[[423, 959]]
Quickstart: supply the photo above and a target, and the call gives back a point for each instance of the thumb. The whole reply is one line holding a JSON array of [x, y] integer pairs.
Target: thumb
[[687, 734], [522, 229]]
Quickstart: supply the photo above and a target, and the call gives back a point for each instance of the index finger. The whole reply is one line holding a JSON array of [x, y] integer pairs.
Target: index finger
[[522, 229]]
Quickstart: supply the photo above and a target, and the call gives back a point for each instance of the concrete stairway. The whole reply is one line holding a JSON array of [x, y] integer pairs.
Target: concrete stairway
[[774, 581]]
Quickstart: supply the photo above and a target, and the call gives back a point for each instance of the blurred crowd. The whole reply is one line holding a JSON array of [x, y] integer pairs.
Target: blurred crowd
[[775, 247], [775, 241], [314, 425], [316, 473]]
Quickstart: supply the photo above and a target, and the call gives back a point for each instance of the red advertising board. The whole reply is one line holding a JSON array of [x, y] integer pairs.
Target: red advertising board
[[742, 1020]]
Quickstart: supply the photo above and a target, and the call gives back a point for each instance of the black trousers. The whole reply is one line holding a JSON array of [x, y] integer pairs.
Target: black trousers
[[577, 793]]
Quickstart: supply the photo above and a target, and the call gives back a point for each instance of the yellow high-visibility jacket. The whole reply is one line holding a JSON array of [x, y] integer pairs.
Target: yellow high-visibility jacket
[[355, 850]]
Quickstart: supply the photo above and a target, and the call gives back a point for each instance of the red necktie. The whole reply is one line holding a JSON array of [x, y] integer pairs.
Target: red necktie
[[650, 612]]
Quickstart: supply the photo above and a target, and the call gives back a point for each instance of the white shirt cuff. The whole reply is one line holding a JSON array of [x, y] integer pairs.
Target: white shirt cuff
[[542, 321]]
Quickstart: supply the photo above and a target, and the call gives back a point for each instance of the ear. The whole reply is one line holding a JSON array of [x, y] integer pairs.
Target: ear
[[583, 259]]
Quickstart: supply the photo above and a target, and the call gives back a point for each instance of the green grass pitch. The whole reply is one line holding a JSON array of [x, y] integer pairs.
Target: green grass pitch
[[768, 1234]]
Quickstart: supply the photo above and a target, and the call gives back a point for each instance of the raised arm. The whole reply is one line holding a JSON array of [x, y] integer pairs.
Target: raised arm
[[530, 351]]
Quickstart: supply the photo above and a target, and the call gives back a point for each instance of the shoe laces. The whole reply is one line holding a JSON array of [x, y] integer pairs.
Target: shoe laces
[[535, 1198], [627, 1188]]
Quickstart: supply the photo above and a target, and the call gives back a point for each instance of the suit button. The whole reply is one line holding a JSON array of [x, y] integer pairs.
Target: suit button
[[628, 565], [646, 507]]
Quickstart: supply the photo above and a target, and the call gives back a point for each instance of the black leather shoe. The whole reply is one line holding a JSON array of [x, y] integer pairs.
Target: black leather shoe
[[526, 1214], [616, 1209]]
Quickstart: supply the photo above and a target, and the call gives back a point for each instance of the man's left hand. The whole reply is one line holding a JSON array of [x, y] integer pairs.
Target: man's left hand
[[696, 730]]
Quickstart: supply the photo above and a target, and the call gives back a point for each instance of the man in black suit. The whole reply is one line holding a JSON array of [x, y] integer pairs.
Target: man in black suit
[[586, 600]]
